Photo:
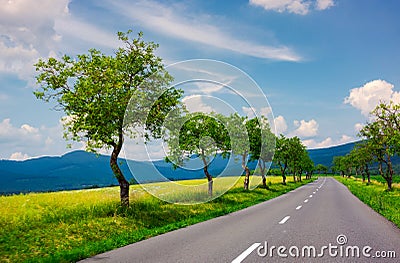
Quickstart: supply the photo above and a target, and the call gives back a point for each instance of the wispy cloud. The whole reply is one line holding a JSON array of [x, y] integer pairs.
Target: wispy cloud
[[29, 32], [72, 27], [328, 142], [300, 7], [182, 24]]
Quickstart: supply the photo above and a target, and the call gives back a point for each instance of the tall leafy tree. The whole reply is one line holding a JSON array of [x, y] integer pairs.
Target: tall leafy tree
[[339, 165], [240, 145], [197, 134], [94, 91], [262, 144], [321, 168], [363, 157], [383, 135], [306, 165], [282, 155], [297, 152]]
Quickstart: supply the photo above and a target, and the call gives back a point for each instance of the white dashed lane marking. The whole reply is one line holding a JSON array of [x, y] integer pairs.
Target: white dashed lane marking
[[246, 253], [286, 218], [250, 249]]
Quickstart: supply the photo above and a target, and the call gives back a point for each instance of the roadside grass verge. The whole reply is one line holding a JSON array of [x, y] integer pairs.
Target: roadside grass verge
[[376, 196], [72, 225]]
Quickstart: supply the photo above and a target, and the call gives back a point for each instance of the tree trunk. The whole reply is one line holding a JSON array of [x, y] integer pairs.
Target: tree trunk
[[299, 176], [262, 170], [283, 170], [389, 183], [381, 168], [367, 172], [247, 172], [208, 175], [390, 174], [246, 179], [123, 183]]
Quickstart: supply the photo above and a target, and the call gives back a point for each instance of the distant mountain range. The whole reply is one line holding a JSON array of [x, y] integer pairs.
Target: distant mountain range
[[80, 169]]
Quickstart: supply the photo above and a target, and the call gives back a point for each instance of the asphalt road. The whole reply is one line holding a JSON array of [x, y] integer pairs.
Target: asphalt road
[[322, 215]]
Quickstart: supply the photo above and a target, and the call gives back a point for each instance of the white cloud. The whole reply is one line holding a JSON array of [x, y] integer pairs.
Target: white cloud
[[18, 156], [7, 130], [280, 124], [324, 4], [366, 98], [328, 142], [176, 21], [311, 143], [249, 111], [27, 129], [208, 87], [135, 150], [27, 32], [300, 7], [195, 103], [358, 127], [31, 30], [265, 111], [31, 141], [305, 128]]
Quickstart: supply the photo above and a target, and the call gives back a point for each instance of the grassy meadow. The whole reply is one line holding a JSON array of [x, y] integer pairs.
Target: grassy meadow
[[71, 225], [375, 195]]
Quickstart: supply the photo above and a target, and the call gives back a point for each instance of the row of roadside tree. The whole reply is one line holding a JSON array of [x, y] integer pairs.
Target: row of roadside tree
[[109, 97], [381, 142]]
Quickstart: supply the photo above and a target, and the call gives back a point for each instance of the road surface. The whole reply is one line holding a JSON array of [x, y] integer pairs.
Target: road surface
[[319, 222]]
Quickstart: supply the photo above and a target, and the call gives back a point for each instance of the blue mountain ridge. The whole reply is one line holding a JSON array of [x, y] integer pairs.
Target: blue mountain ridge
[[80, 169]]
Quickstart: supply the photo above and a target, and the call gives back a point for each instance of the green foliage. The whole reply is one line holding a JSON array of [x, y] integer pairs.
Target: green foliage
[[240, 144], [196, 133], [69, 226], [383, 135], [94, 90], [282, 155], [262, 142], [321, 168], [108, 97], [291, 154]]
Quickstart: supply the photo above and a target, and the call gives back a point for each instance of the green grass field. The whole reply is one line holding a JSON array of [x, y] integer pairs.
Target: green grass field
[[72, 225], [376, 196]]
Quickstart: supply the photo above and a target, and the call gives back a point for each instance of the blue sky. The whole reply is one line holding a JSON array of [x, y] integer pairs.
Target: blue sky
[[322, 64]]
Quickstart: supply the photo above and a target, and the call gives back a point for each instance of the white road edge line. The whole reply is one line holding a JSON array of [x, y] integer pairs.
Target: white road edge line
[[286, 218], [305, 201], [246, 253], [297, 208]]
